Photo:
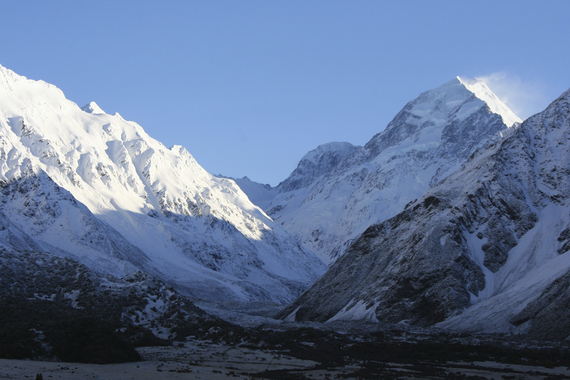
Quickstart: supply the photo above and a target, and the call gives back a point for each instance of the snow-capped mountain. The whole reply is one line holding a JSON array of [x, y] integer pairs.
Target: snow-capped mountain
[[487, 249], [94, 187], [338, 190]]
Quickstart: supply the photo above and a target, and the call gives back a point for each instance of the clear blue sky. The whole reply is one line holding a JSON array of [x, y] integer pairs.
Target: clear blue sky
[[249, 87]]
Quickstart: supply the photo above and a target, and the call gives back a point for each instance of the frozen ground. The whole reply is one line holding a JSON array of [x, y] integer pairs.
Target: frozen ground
[[194, 361], [199, 360]]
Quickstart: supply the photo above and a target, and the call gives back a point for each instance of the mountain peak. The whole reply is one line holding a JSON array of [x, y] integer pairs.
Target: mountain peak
[[454, 99], [344, 148], [93, 108], [317, 163], [483, 92], [437, 112]]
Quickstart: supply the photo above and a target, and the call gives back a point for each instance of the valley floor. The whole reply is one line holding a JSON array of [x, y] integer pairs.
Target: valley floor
[[204, 360]]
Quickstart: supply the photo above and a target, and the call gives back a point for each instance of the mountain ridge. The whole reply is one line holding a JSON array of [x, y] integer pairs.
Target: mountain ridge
[[199, 232]]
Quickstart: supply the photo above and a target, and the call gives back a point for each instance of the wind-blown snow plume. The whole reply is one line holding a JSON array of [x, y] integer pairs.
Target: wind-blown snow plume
[[523, 97]]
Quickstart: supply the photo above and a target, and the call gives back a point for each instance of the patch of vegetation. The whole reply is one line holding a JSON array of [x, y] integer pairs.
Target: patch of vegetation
[[55, 308], [38, 328]]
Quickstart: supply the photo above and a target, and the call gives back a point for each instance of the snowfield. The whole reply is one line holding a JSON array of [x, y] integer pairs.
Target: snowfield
[[95, 187]]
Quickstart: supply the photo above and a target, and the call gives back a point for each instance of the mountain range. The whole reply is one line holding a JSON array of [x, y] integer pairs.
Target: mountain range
[[456, 215]]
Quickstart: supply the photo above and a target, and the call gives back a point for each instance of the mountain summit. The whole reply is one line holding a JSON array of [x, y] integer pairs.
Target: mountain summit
[[483, 92], [338, 190]]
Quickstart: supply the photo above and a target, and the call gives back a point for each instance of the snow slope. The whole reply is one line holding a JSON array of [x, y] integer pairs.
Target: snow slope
[[97, 188], [259, 194], [487, 249], [338, 190]]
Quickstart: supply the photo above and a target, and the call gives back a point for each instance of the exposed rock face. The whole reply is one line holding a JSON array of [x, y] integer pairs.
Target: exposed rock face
[[548, 315], [39, 215], [316, 164], [484, 250], [338, 190]]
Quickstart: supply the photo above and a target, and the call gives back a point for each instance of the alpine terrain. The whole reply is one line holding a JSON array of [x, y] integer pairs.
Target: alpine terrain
[[487, 249], [338, 190], [95, 188]]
